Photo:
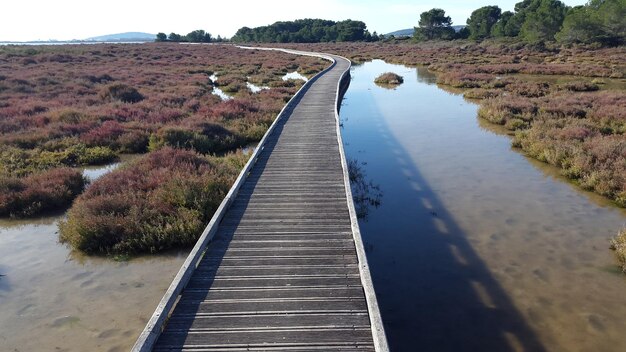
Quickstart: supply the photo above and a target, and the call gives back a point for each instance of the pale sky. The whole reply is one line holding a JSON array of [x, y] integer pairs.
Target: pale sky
[[22, 20]]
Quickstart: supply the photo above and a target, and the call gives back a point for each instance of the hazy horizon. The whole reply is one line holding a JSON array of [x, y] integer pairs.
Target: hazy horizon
[[31, 20]]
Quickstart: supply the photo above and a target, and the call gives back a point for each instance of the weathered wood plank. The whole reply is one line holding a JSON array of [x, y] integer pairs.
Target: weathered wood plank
[[277, 282], [302, 320], [284, 305], [276, 293], [242, 338]]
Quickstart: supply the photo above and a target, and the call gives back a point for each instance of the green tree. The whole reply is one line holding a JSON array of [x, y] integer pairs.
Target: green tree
[[198, 36], [350, 31], [612, 15], [161, 37], [482, 20], [463, 33], [306, 30], [434, 24], [502, 28], [173, 37], [581, 25], [543, 20], [513, 25], [600, 21]]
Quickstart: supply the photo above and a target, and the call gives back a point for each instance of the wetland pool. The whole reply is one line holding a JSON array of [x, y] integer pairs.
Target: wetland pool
[[475, 247], [54, 299]]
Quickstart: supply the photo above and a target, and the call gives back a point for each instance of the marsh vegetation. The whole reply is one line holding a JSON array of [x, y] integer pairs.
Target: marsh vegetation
[[389, 79], [66, 107]]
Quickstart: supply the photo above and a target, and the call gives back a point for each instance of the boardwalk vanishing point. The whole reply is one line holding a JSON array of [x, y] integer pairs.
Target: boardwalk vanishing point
[[281, 266]]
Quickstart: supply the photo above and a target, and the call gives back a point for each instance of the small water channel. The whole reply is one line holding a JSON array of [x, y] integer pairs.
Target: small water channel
[[54, 299], [474, 246]]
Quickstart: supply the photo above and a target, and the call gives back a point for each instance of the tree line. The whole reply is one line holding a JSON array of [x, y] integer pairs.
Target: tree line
[[600, 22], [197, 36], [307, 31]]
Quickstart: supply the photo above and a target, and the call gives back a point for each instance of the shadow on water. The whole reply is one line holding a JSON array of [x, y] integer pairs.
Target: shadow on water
[[434, 291], [4, 280]]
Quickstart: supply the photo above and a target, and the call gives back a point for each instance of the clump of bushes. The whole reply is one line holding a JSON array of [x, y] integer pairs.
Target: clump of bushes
[[161, 201], [466, 80], [502, 109], [121, 92], [389, 78], [202, 137], [38, 193], [481, 93], [580, 86], [22, 162], [618, 244]]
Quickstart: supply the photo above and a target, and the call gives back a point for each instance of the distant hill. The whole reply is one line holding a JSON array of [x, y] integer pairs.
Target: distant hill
[[401, 33], [409, 31], [124, 37]]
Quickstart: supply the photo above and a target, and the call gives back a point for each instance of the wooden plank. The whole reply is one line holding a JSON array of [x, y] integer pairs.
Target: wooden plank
[[280, 252], [293, 320], [283, 305], [248, 271], [243, 338], [277, 282], [206, 293], [345, 347]]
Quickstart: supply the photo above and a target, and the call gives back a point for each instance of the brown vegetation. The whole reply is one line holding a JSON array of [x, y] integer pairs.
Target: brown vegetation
[[389, 78], [160, 201], [72, 105]]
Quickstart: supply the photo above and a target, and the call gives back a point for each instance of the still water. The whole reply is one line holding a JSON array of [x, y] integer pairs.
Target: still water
[[53, 299], [475, 247]]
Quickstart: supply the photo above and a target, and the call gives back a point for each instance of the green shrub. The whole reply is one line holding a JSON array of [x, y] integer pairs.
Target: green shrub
[[618, 244], [203, 138], [133, 142], [20, 162], [121, 92]]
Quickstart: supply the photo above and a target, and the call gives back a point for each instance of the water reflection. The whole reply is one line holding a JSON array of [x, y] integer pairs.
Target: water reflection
[[294, 75], [218, 91], [365, 194], [475, 249]]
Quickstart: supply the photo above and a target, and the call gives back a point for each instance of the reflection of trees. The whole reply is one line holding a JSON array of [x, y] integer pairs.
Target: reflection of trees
[[365, 193], [425, 76]]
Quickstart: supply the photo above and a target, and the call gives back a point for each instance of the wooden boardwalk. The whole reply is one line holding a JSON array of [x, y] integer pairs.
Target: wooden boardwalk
[[285, 269]]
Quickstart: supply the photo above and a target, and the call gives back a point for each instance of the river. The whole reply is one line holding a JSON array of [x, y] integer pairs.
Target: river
[[475, 247]]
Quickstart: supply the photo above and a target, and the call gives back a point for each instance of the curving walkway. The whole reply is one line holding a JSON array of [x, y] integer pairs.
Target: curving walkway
[[286, 269]]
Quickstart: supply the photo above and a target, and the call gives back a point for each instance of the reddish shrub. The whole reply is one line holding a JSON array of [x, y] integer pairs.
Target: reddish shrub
[[104, 135], [159, 202], [51, 190]]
